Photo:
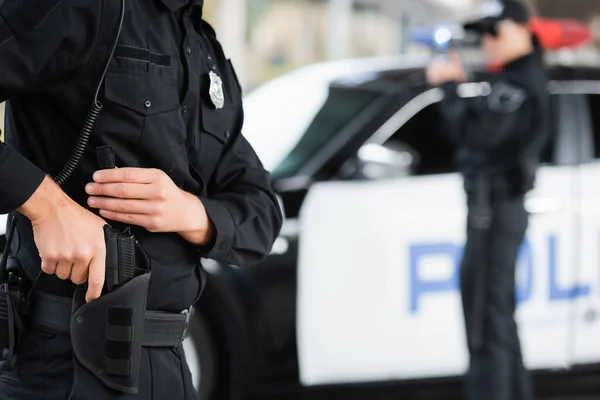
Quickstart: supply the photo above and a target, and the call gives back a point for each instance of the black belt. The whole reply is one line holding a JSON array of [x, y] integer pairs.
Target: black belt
[[161, 329]]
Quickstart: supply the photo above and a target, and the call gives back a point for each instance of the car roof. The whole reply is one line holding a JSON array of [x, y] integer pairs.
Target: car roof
[[279, 112], [415, 74]]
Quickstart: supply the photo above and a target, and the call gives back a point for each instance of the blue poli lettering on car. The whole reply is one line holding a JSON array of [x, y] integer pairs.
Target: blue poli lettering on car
[[421, 287]]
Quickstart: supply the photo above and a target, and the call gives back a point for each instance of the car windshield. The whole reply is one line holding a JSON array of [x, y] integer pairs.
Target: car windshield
[[339, 110], [279, 113]]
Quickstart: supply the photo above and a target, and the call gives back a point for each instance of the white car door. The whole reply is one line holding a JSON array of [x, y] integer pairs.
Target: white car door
[[586, 293], [547, 280], [378, 275]]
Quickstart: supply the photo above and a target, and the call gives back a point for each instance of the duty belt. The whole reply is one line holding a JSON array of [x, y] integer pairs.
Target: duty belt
[[161, 329]]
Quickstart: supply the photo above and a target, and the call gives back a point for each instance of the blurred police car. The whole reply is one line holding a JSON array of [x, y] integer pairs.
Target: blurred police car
[[370, 293]]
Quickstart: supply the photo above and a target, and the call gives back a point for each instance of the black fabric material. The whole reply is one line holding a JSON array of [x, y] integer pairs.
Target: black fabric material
[[153, 117], [161, 329], [143, 55], [203, 153], [25, 14], [175, 5], [118, 367], [496, 370], [4, 321], [503, 133], [118, 350], [45, 371], [120, 316], [125, 306], [51, 312], [24, 177], [119, 333]]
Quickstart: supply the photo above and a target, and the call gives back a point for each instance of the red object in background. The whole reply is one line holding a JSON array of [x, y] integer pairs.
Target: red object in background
[[557, 34], [494, 68]]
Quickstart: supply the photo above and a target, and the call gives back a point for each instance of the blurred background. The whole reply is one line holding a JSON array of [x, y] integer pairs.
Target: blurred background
[[338, 109], [266, 38]]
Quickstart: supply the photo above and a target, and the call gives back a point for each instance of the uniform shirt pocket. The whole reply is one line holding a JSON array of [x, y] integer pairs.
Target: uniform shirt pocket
[[144, 96], [143, 122], [219, 125]]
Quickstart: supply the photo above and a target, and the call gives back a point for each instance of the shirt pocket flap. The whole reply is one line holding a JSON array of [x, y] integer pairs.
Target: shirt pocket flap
[[145, 95], [218, 122]]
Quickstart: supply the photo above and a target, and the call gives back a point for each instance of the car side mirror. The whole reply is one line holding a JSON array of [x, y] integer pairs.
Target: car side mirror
[[386, 161]]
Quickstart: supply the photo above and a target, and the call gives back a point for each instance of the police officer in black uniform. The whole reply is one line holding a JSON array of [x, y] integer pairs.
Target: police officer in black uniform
[[152, 80], [499, 134]]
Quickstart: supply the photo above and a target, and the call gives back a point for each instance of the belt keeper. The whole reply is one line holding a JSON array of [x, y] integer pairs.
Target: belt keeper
[[189, 313]]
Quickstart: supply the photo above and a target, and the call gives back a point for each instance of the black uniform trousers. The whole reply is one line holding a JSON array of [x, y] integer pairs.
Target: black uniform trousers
[[45, 371], [496, 370]]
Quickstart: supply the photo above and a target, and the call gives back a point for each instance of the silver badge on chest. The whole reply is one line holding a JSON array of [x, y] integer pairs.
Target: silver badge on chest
[[217, 96]]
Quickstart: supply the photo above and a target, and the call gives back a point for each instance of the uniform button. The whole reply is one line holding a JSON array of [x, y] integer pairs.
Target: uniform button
[[188, 50], [184, 109], [227, 134], [148, 103]]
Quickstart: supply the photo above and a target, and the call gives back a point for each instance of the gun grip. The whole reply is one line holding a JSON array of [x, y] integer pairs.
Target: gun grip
[[126, 243], [112, 258]]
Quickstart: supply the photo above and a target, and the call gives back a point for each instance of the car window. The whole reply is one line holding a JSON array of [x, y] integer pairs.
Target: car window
[[340, 109], [424, 135]]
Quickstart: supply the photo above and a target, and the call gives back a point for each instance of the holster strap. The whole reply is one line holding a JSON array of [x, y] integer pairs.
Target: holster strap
[[161, 329]]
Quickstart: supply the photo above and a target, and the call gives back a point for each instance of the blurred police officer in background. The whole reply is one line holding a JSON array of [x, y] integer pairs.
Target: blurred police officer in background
[[188, 185], [499, 134]]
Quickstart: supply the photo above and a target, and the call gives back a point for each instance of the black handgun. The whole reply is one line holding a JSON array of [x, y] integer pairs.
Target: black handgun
[[120, 257], [120, 246]]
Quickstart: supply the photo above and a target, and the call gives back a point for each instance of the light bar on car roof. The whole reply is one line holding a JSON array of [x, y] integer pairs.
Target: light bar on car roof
[[556, 34]]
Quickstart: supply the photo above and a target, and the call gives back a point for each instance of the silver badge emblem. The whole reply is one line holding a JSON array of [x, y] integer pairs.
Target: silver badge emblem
[[216, 90]]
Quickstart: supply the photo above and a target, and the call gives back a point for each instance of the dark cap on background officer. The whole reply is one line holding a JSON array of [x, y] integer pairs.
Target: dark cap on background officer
[[188, 183], [499, 134]]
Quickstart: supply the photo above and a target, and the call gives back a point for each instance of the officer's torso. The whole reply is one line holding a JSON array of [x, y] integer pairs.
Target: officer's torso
[[157, 113], [512, 165]]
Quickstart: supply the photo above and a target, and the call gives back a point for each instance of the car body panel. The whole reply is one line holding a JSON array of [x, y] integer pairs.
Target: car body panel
[[378, 279], [3, 219], [354, 270]]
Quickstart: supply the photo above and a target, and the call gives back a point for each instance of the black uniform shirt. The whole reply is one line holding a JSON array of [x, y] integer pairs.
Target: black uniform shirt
[[501, 131], [157, 114]]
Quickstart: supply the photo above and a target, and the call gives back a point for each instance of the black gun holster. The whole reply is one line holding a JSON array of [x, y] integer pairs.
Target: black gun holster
[[107, 333], [12, 323], [14, 305]]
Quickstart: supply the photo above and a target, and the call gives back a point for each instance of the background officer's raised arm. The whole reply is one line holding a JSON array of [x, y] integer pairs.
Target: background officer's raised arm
[[43, 44], [486, 121]]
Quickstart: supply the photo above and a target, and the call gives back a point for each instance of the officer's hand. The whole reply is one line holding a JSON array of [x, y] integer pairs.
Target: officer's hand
[[446, 69], [69, 238], [146, 198]]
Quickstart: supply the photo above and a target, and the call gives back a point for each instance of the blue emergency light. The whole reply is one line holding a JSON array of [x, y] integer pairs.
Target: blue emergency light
[[437, 37]]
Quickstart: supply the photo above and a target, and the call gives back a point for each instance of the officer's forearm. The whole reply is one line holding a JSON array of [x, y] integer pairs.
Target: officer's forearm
[[47, 199], [200, 230]]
